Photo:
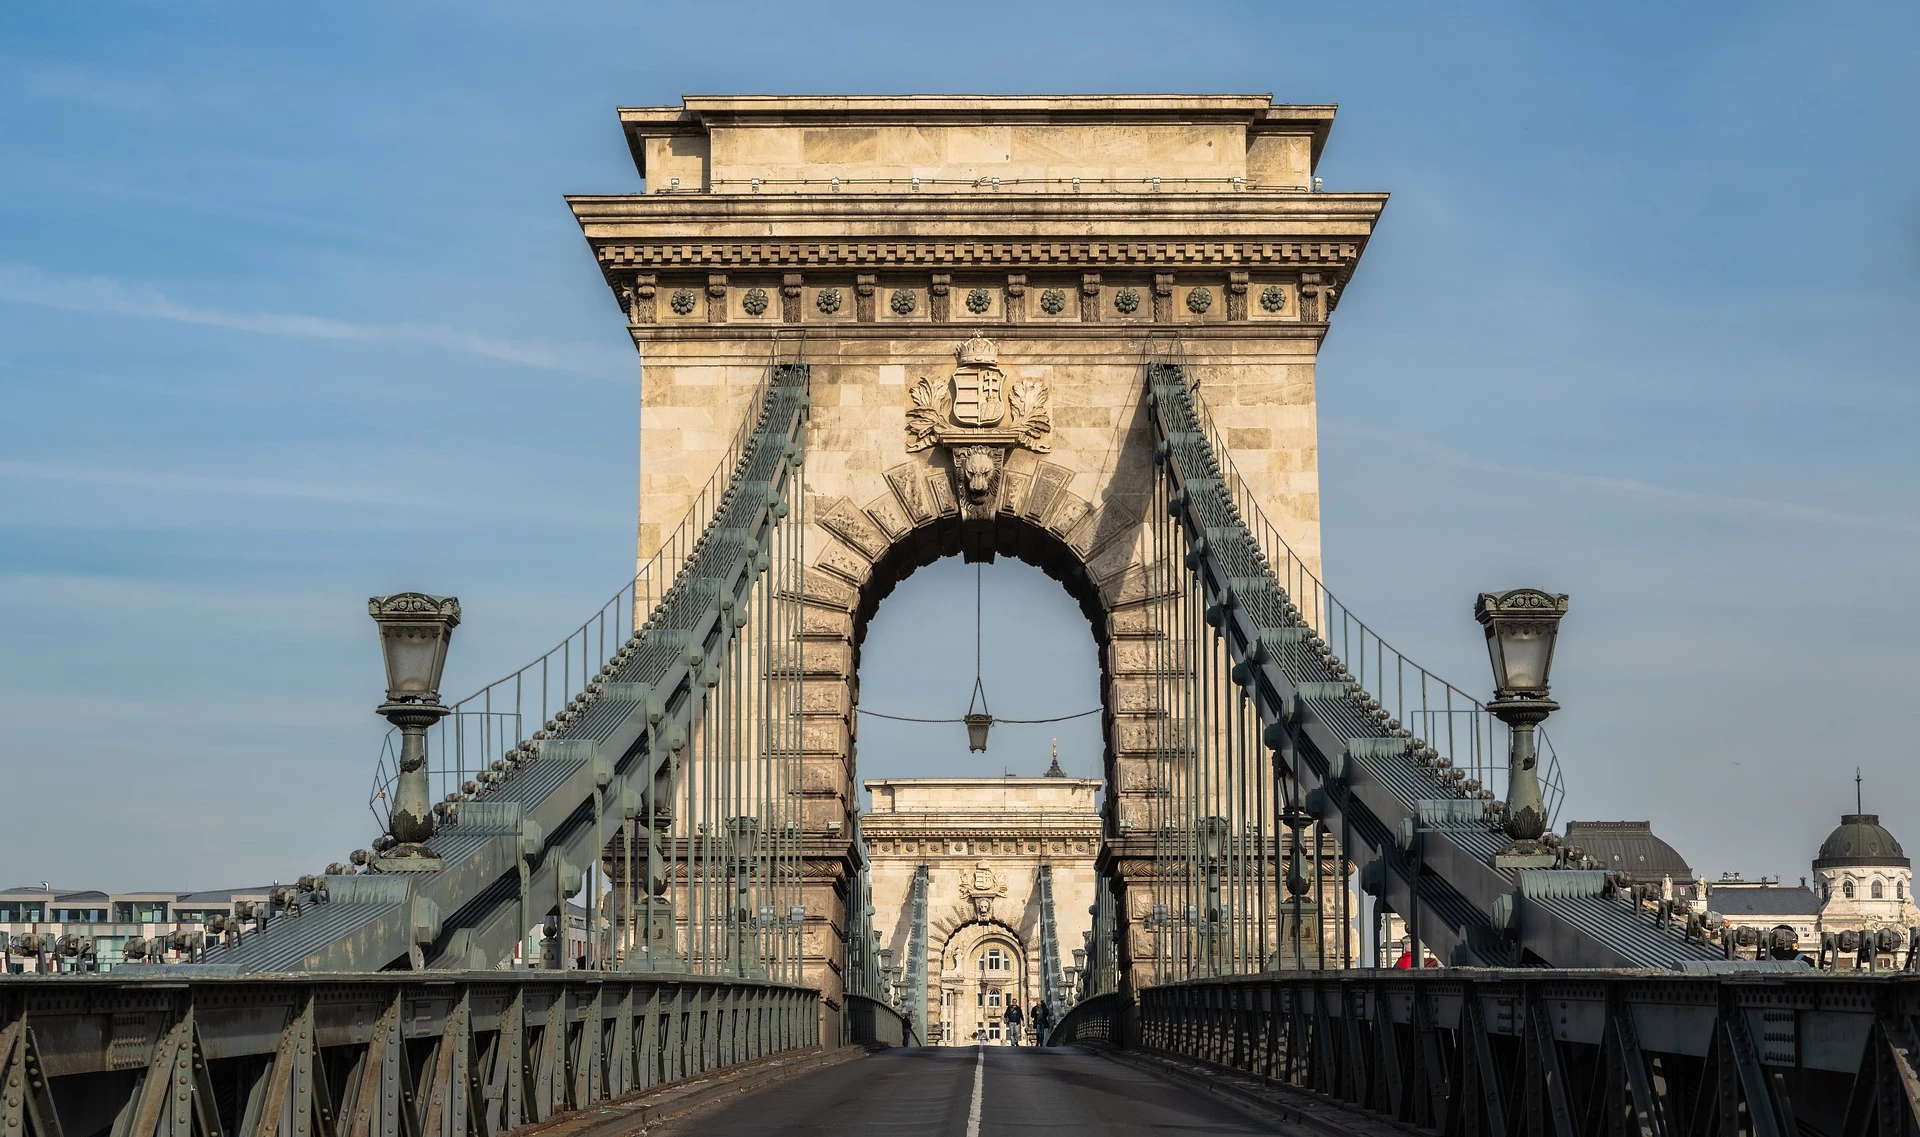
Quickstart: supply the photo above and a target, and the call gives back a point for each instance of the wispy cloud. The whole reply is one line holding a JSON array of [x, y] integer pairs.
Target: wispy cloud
[[1706, 500], [176, 483], [25, 284]]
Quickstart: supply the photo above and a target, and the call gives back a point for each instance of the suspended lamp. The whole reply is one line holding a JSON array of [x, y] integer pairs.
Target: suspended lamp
[[978, 719]]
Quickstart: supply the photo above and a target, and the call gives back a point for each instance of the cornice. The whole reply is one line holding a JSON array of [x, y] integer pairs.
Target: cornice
[[716, 255], [886, 212], [1005, 333]]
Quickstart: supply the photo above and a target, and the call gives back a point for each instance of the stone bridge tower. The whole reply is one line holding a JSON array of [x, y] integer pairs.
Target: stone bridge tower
[[976, 283]]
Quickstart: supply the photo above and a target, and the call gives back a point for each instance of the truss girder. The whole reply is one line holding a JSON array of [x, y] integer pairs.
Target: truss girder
[[470, 1054], [1584, 1054]]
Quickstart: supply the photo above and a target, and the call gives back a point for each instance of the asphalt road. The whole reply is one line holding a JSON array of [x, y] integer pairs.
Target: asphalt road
[[930, 1092]]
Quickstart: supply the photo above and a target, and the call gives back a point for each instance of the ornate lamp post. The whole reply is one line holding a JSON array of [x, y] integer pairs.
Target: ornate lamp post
[[1521, 627], [414, 632], [1213, 856], [743, 835]]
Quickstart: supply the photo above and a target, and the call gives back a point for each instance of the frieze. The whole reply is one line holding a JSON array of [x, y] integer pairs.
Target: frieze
[[906, 482], [883, 254], [886, 513], [846, 522]]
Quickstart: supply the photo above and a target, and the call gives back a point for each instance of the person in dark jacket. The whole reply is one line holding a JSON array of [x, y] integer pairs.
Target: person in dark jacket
[[1013, 1017], [1041, 1017]]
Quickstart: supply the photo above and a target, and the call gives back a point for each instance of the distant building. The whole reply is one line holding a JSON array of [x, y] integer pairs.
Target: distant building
[[1631, 847], [101, 924], [105, 921], [983, 842], [1766, 905], [1864, 879]]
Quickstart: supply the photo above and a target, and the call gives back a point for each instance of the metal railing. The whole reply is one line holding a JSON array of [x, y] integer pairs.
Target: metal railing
[[370, 1054], [1442, 716], [468, 743], [1093, 1019], [1490, 1053]]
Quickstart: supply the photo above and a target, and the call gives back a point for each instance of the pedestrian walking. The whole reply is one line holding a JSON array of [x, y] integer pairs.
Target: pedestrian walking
[[1013, 1018], [1041, 1017]]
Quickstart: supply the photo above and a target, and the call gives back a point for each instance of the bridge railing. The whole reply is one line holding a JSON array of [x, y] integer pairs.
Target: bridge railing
[[1093, 1019], [1449, 720], [871, 1022], [464, 749], [1487, 1053], [365, 1055]]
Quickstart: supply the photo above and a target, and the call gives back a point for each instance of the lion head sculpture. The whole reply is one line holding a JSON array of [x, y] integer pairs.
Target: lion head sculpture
[[977, 472]]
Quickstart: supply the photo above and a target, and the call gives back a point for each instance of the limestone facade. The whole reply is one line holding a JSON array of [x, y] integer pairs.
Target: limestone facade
[[1081, 235], [983, 841]]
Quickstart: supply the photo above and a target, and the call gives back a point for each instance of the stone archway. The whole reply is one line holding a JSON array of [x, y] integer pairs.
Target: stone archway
[[871, 238], [971, 987]]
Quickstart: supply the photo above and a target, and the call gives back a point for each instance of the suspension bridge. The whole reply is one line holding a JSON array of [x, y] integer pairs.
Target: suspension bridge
[[1080, 332]]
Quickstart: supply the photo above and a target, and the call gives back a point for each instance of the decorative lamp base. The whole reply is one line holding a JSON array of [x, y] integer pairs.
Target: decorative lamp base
[[407, 858], [1526, 855]]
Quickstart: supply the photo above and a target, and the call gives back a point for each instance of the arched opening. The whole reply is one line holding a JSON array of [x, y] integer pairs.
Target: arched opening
[[1038, 657], [998, 849], [1846, 890], [1879, 890]]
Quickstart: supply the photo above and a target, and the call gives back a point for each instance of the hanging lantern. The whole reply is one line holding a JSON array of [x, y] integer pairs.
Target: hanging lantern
[[977, 724]]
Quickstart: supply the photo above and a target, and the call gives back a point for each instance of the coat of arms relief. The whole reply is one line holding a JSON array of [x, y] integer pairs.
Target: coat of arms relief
[[984, 886], [979, 417]]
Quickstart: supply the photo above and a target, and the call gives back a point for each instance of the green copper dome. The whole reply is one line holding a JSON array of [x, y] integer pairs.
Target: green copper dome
[[1860, 840]]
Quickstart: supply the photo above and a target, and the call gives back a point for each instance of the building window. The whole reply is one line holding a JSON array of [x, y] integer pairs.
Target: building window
[[1899, 890], [1879, 891], [1847, 890], [993, 997], [995, 959], [22, 913]]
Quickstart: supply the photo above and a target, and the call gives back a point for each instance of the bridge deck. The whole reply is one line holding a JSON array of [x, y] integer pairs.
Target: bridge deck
[[982, 1091]]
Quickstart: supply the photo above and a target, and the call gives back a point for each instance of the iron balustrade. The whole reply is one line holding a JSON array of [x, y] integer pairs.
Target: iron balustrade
[[1493, 1053], [368, 1055]]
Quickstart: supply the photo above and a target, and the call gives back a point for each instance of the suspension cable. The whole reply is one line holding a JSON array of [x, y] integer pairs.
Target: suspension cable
[[997, 719]]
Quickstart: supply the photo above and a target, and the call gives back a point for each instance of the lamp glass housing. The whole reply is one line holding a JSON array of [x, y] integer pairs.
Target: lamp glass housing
[[415, 630], [977, 725], [744, 835], [1213, 839], [1521, 628]]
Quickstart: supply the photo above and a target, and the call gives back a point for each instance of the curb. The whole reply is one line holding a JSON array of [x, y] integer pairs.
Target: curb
[[1271, 1102], [640, 1113]]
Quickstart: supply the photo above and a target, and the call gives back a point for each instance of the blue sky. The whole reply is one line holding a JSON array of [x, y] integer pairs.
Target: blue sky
[[292, 312]]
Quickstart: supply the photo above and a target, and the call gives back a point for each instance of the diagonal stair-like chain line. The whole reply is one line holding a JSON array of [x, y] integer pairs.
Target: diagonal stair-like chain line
[[665, 571], [669, 641], [1236, 577], [668, 645], [1285, 636]]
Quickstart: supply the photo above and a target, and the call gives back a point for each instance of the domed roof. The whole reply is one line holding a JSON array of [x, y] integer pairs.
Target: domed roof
[[1860, 840]]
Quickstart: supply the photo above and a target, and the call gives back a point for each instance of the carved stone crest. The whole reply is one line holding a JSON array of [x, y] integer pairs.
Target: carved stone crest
[[979, 416], [984, 886]]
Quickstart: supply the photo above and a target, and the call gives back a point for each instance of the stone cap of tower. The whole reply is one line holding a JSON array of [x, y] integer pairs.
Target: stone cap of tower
[[725, 142]]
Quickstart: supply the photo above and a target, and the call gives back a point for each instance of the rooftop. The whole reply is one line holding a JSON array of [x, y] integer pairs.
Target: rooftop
[[1738, 899], [756, 143]]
